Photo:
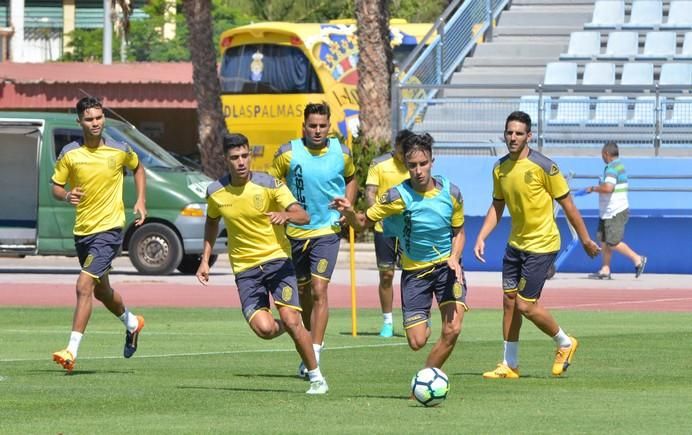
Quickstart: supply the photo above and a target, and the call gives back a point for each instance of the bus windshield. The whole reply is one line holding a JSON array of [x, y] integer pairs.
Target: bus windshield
[[267, 69]]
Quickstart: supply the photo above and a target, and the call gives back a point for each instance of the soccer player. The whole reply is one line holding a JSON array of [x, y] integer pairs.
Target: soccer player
[[426, 214], [528, 182], [255, 207], [614, 213], [93, 170], [316, 169], [385, 172]]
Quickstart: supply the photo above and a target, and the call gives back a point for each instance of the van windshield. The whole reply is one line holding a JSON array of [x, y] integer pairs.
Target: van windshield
[[149, 152], [267, 69]]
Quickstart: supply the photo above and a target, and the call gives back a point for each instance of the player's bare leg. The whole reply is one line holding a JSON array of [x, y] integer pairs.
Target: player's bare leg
[[265, 326], [452, 315]]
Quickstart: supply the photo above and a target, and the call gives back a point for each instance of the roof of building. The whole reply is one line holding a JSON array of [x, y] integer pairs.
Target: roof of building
[[78, 72]]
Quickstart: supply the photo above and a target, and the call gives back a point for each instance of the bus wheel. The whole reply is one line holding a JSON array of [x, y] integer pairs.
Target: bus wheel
[[190, 263], [155, 249]]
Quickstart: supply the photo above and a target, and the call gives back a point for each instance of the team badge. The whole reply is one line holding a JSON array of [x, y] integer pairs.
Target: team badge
[[286, 293], [522, 284], [88, 261], [528, 177], [257, 66], [258, 202], [111, 162], [554, 170], [322, 265], [458, 290], [383, 198]]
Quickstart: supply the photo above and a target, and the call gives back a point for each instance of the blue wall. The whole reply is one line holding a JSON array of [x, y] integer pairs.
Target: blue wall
[[660, 225]]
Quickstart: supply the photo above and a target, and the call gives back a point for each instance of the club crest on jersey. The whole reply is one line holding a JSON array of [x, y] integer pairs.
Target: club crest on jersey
[[554, 170], [528, 177], [383, 198], [286, 293], [111, 162], [258, 202], [458, 290], [522, 284], [88, 261], [322, 265]]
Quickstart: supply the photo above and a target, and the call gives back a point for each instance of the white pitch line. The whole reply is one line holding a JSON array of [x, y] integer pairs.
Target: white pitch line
[[52, 331], [227, 352], [602, 304]]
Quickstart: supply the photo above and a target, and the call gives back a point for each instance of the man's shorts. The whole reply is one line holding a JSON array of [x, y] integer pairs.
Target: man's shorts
[[612, 231], [419, 286], [386, 251], [525, 272], [315, 256], [97, 251], [275, 277]]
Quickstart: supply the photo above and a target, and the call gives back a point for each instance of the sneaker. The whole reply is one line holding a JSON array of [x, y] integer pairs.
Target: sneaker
[[302, 371], [600, 275], [318, 387], [65, 359], [563, 357], [640, 269], [502, 371], [131, 338], [387, 330]]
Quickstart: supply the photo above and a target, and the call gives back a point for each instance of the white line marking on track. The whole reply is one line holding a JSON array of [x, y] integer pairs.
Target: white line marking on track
[[604, 304]]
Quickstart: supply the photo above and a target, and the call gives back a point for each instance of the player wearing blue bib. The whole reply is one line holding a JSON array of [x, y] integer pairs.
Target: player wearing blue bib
[[426, 214], [316, 169]]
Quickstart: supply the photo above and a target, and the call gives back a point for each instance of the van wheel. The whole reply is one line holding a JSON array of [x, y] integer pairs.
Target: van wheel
[[155, 249], [191, 262]]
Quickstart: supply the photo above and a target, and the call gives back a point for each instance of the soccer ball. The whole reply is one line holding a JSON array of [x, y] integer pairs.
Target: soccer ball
[[430, 386]]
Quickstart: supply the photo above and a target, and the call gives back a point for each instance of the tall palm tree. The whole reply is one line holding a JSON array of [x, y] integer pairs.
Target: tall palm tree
[[205, 83], [374, 70]]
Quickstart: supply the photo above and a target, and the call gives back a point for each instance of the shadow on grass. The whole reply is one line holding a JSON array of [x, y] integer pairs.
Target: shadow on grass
[[267, 375], [236, 389], [77, 372]]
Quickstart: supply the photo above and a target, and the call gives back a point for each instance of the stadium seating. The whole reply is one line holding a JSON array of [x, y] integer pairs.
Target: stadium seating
[[645, 14], [686, 52], [637, 73], [679, 15], [610, 110], [571, 110], [583, 46], [682, 112], [560, 73], [659, 45], [643, 113], [675, 74], [599, 74], [621, 45], [607, 14]]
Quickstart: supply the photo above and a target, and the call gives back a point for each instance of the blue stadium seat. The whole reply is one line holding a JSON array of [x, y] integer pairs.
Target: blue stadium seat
[[682, 112], [610, 110], [560, 73], [686, 52], [583, 45], [679, 15], [621, 45], [645, 14], [675, 74], [644, 113], [659, 45], [607, 14], [601, 73], [572, 110], [637, 73]]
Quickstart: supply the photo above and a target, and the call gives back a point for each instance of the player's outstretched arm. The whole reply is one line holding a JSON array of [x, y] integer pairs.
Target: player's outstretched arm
[[294, 214], [211, 229], [574, 217], [357, 220], [489, 223]]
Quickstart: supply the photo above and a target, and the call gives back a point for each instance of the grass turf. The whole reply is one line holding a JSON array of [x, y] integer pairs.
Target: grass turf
[[203, 371]]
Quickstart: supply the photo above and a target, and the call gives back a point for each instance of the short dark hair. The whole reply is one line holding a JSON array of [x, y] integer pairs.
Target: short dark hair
[[87, 103], [316, 108], [401, 136], [418, 142], [234, 140], [611, 148], [519, 116]]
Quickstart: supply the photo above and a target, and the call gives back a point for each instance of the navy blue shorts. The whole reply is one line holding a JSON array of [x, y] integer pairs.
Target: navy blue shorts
[[525, 272], [275, 277], [419, 286], [386, 251], [315, 256], [97, 251]]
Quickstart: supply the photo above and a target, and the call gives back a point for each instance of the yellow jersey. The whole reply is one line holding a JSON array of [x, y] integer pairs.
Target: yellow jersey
[[252, 238], [385, 172], [99, 173], [528, 187]]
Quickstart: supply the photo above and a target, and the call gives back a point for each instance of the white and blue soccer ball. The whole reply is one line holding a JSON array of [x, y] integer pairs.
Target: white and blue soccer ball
[[430, 386]]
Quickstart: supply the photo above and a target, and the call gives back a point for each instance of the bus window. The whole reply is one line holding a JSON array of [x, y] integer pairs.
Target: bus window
[[267, 69]]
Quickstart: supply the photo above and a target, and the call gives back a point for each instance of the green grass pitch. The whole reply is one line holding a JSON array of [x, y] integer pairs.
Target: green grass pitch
[[203, 371]]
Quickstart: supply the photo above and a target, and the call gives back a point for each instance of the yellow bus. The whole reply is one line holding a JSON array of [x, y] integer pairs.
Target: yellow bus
[[269, 71]]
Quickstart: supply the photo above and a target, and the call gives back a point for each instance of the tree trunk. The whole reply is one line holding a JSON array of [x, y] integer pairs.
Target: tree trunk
[[205, 83], [374, 70]]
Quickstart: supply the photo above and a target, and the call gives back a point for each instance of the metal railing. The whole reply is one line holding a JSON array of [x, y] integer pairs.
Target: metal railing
[[454, 34]]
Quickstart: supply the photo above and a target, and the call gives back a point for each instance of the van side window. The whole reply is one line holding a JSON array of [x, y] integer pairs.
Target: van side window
[[63, 136], [267, 69]]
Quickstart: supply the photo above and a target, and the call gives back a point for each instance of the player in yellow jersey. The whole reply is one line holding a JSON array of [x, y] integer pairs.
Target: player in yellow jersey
[[385, 172], [93, 170], [316, 169], [527, 182], [255, 207]]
